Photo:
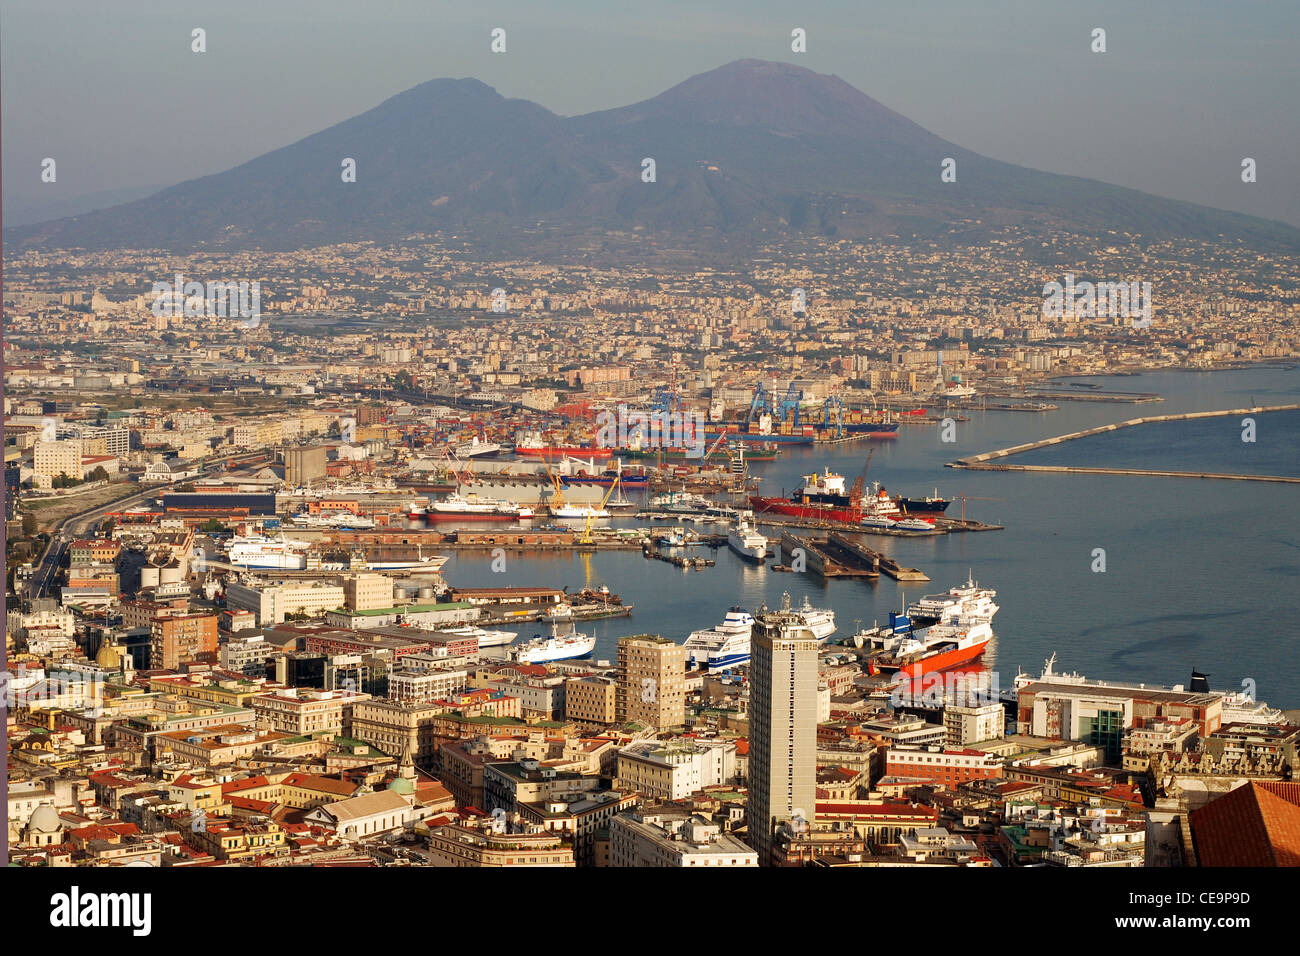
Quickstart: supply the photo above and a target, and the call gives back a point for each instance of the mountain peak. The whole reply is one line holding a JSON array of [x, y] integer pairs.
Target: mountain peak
[[743, 152], [775, 94]]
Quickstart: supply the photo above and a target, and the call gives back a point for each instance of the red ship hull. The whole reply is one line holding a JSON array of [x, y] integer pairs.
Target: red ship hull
[[468, 516], [944, 660], [558, 452], [816, 512]]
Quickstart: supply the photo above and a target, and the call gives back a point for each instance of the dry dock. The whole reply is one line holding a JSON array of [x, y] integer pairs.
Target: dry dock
[[837, 556], [990, 461]]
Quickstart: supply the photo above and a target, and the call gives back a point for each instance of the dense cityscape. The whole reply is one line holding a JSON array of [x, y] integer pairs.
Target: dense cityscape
[[560, 527], [316, 690]]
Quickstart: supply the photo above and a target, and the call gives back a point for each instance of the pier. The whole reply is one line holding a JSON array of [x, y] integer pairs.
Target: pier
[[991, 461], [837, 556]]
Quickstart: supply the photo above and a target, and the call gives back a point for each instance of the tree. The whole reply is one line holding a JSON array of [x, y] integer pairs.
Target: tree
[[29, 524], [98, 473]]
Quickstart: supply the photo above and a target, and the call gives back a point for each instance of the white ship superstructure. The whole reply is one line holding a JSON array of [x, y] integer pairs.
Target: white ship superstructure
[[279, 554], [563, 644], [486, 638], [747, 542], [726, 645]]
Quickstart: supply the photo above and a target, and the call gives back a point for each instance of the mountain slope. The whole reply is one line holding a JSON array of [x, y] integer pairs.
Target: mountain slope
[[747, 151]]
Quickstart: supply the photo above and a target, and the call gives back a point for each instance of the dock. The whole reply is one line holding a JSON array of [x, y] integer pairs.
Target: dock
[[825, 559], [991, 460]]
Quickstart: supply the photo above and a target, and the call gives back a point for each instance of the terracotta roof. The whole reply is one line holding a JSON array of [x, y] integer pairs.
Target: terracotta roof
[[1257, 824]]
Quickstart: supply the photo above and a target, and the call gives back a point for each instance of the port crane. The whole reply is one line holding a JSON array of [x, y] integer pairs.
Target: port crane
[[856, 491], [586, 531], [964, 497], [835, 403]]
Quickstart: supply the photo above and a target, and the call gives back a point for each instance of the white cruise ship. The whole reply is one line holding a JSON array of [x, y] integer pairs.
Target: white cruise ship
[[726, 645], [818, 620], [563, 644], [485, 638], [579, 511], [278, 554], [476, 447], [965, 603], [333, 519], [747, 542]]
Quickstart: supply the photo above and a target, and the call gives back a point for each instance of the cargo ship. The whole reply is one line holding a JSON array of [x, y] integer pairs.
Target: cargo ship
[[823, 497], [532, 445], [872, 429], [930, 503], [735, 431], [753, 452], [606, 478]]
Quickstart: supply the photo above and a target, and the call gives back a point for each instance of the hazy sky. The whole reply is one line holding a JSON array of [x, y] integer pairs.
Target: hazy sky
[[1186, 89]]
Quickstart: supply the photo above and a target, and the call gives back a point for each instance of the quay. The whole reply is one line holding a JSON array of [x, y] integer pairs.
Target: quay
[[1140, 472], [680, 561], [990, 461], [837, 556], [826, 560]]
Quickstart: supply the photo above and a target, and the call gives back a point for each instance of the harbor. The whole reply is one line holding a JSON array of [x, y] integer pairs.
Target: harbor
[[993, 460]]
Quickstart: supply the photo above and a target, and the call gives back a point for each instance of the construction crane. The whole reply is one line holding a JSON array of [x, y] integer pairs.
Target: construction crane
[[586, 532], [856, 491], [972, 498]]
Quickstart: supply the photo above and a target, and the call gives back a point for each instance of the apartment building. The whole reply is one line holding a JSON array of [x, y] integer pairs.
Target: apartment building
[[300, 710], [591, 701], [674, 839], [651, 682], [182, 637]]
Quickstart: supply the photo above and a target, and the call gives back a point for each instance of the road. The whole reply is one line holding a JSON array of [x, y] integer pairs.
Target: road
[[78, 525]]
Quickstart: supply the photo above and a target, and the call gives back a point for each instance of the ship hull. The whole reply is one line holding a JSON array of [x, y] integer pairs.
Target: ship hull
[[753, 554], [755, 438], [881, 429], [922, 504], [944, 660], [469, 516], [558, 452], [605, 481], [816, 512]]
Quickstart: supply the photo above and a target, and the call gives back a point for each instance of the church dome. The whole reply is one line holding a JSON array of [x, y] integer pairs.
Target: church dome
[[44, 819], [109, 657], [402, 785]]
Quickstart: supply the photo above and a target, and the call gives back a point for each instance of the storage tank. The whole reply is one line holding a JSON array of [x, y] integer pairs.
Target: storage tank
[[148, 577], [172, 574], [426, 593]]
